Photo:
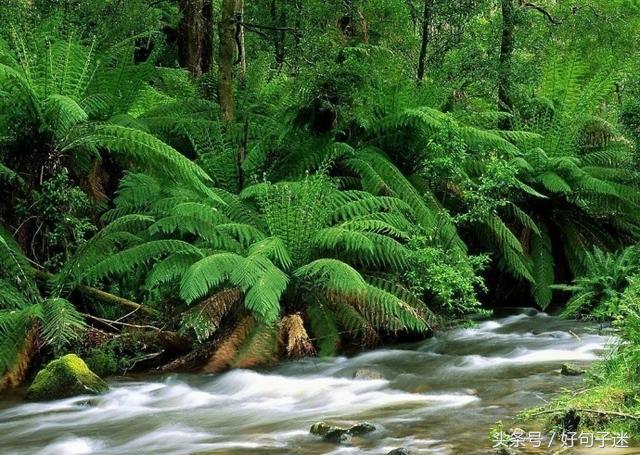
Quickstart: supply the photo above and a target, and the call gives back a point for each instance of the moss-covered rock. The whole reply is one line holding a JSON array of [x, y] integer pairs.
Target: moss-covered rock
[[65, 377]]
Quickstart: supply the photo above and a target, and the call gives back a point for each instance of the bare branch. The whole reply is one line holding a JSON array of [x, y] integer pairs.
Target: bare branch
[[268, 27], [542, 11]]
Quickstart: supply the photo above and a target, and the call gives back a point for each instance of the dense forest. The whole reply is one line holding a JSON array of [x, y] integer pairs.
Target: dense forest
[[200, 185]]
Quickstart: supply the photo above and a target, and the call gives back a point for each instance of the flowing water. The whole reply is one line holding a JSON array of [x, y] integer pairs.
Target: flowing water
[[438, 396]]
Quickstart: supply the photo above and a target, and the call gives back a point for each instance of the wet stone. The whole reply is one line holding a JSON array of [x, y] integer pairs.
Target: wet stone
[[338, 436], [571, 370], [341, 435], [361, 428], [400, 451], [367, 373]]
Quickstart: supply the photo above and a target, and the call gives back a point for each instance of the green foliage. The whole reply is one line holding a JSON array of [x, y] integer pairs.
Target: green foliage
[[61, 212], [102, 361], [598, 293], [447, 278], [72, 101], [344, 197], [611, 383], [24, 310], [306, 249]]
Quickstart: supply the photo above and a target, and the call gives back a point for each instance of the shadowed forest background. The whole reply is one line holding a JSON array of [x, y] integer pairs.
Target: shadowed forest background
[[201, 185]]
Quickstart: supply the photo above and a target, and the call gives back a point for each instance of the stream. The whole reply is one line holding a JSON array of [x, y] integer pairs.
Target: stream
[[437, 396]]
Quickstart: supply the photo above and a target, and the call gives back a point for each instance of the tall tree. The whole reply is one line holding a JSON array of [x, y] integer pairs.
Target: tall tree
[[426, 37], [279, 22], [228, 44], [505, 103], [195, 36]]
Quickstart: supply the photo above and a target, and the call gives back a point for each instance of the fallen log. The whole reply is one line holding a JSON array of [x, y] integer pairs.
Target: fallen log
[[102, 296]]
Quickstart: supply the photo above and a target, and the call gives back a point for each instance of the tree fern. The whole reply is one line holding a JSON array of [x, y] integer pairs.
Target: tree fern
[[25, 313], [302, 249]]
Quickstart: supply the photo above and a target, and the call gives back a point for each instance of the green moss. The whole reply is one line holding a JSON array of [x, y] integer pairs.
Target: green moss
[[102, 361], [65, 377]]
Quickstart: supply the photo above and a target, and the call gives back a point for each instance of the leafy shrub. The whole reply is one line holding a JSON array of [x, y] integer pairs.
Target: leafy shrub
[[598, 294], [448, 280]]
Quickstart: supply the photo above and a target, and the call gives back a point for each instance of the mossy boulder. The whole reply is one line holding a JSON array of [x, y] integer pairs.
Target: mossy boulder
[[65, 377]]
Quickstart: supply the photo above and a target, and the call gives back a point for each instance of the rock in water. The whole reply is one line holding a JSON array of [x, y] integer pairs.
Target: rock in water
[[361, 428], [322, 428], [65, 377], [340, 435], [366, 373], [399, 451], [571, 370]]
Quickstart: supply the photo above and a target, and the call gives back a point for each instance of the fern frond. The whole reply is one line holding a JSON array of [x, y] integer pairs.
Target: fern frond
[[205, 318], [274, 249], [11, 298], [206, 274], [14, 329], [334, 274], [259, 348], [228, 350], [543, 268], [325, 330], [63, 114], [61, 323], [147, 153], [172, 268], [263, 297], [127, 260]]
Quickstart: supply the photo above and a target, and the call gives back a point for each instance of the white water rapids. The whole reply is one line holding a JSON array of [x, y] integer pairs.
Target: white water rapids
[[438, 396]]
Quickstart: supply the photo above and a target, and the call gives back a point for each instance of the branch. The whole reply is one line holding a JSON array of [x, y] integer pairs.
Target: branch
[[110, 322], [263, 34], [105, 297], [102, 296], [542, 11], [591, 411], [268, 27]]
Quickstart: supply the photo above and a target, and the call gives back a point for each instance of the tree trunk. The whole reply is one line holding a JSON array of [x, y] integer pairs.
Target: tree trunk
[[279, 21], [226, 30], [427, 17], [207, 36], [346, 21], [242, 57], [297, 36], [505, 103], [195, 36]]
